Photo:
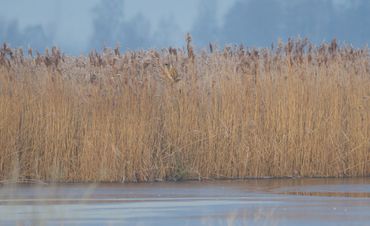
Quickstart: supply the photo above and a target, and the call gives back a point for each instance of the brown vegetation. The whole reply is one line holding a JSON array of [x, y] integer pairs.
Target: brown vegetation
[[291, 110]]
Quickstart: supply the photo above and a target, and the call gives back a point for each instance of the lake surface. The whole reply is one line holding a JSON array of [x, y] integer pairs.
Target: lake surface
[[251, 202]]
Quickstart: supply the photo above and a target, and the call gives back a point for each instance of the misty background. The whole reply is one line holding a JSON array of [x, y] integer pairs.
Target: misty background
[[79, 26]]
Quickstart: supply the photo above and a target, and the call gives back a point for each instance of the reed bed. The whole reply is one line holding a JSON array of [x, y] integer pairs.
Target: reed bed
[[294, 109]]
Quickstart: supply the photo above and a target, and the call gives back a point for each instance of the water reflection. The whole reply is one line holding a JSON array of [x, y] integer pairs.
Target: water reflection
[[331, 194], [250, 202]]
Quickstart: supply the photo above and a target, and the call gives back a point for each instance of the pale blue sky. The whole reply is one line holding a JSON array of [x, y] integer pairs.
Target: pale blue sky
[[157, 23], [71, 20]]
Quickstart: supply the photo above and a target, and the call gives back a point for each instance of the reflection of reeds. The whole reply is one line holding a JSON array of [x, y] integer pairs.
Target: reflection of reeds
[[41, 203], [245, 217], [294, 110]]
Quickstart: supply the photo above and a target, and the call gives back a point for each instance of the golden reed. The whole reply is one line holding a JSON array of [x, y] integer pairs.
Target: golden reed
[[291, 110]]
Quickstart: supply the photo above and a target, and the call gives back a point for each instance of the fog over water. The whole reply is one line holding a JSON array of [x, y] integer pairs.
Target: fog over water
[[78, 26]]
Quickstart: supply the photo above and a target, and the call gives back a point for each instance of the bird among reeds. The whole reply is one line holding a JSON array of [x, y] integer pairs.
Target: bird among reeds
[[170, 72]]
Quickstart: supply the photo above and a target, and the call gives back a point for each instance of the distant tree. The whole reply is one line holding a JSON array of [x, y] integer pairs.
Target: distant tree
[[206, 28], [31, 36], [111, 28], [135, 33], [168, 33], [107, 19], [308, 18], [254, 22]]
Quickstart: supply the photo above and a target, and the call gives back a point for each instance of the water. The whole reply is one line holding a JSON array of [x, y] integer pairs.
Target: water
[[251, 202]]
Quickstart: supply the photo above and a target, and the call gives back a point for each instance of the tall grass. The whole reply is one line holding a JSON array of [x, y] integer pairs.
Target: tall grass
[[291, 110]]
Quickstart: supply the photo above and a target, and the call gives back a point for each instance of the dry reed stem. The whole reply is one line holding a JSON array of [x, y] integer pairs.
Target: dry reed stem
[[297, 110]]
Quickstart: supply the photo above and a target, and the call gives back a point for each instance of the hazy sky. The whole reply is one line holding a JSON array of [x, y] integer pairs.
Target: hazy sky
[[74, 24], [71, 20]]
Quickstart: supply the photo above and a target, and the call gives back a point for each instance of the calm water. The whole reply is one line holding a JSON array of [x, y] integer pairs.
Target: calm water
[[252, 202]]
